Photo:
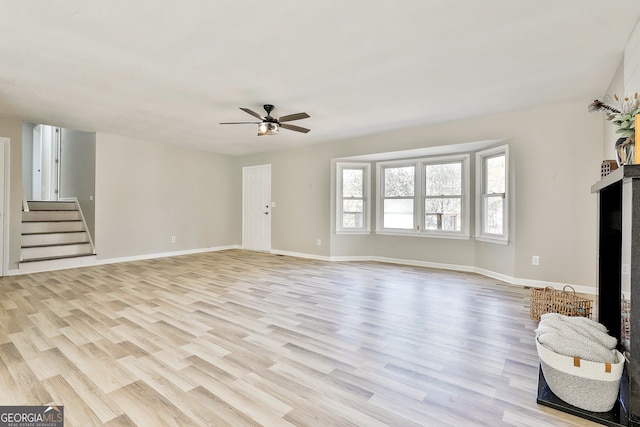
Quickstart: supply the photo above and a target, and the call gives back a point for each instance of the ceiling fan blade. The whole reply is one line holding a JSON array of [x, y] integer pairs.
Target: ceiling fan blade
[[240, 123], [291, 117], [253, 113], [294, 127]]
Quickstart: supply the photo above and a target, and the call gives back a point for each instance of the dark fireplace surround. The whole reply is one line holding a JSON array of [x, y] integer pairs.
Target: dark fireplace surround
[[618, 285]]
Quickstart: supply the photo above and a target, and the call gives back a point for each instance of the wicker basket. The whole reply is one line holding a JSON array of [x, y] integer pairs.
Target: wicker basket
[[550, 300]]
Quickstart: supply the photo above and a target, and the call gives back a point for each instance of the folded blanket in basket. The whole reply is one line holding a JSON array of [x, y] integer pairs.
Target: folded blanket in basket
[[585, 339], [583, 326], [585, 321]]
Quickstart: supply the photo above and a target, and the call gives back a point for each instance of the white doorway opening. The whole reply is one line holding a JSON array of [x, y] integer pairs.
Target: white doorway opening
[[46, 163]]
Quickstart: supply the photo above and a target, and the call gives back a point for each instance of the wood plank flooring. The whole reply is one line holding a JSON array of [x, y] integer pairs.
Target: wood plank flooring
[[237, 338]]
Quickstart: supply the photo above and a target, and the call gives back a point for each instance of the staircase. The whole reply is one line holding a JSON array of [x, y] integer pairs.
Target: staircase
[[53, 234]]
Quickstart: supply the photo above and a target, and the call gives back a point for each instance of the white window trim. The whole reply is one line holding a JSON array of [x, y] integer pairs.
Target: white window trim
[[366, 220], [380, 198], [502, 239], [418, 206], [465, 205]]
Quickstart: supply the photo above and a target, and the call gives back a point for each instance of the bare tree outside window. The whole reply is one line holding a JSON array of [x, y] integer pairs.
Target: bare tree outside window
[[494, 193], [443, 196], [352, 198], [399, 190]]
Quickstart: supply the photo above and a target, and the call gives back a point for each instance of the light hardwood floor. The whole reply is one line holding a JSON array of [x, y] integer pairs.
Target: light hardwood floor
[[243, 338]]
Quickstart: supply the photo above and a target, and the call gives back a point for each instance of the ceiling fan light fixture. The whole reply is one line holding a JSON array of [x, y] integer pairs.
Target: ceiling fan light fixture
[[271, 125], [266, 128]]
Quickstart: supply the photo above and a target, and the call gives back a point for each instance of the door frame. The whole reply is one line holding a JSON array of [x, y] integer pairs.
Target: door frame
[[5, 147], [244, 213]]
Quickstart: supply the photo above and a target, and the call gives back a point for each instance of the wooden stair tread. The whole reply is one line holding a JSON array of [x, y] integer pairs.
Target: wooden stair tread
[[37, 233], [53, 245], [52, 220], [54, 258]]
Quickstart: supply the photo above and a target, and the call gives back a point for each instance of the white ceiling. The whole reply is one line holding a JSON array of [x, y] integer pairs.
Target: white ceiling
[[170, 71]]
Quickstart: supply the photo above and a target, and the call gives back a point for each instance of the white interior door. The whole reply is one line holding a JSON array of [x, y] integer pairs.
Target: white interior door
[[256, 208]]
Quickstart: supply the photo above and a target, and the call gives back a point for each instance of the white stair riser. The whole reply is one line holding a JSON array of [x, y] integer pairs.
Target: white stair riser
[[54, 238], [55, 251], [52, 206], [50, 216], [51, 227]]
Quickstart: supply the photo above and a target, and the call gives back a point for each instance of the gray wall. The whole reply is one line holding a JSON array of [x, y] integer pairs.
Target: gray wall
[[27, 159], [78, 171], [555, 156], [147, 192]]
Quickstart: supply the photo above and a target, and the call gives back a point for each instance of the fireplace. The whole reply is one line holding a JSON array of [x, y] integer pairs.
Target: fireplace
[[618, 285]]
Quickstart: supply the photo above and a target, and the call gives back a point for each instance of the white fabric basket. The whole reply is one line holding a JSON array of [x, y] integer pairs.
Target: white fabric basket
[[587, 386]]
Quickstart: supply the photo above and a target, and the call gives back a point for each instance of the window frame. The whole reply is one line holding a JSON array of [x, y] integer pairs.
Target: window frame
[[465, 217], [481, 179], [419, 197], [380, 191], [366, 197]]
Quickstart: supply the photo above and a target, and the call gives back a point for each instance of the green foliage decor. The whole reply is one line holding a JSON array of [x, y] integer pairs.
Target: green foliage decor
[[619, 111]]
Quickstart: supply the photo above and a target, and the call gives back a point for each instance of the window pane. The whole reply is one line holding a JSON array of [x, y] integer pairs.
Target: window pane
[[352, 182], [443, 180], [398, 213], [399, 182], [443, 214], [495, 170], [352, 213], [352, 220], [494, 214]]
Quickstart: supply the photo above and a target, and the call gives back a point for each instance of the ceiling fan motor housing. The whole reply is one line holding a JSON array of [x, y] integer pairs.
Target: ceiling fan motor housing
[[268, 108]]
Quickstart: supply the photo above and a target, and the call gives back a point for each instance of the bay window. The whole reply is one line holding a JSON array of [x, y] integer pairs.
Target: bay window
[[492, 200], [352, 197], [427, 197]]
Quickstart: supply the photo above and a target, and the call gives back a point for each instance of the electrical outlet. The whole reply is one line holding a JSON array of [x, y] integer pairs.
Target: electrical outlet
[[173, 239], [535, 260], [318, 242]]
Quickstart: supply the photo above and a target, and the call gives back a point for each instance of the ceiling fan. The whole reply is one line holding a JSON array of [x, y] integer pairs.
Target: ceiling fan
[[270, 125]]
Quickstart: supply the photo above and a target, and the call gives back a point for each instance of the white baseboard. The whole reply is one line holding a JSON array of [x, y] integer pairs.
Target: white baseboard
[[52, 265], [164, 254], [62, 264], [300, 255], [454, 267]]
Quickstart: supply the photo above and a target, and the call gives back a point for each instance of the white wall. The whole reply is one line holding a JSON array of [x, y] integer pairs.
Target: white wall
[[147, 192], [632, 62]]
